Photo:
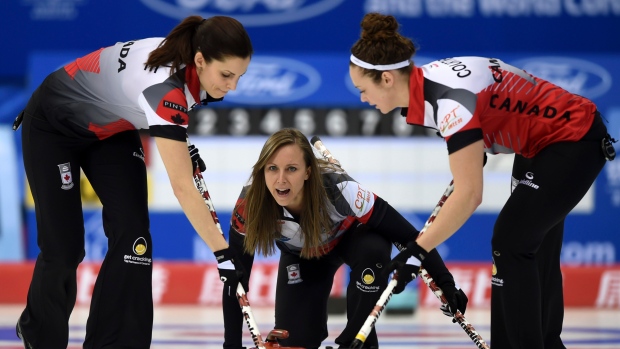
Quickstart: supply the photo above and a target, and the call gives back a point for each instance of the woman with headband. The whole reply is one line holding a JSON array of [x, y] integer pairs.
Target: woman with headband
[[483, 105]]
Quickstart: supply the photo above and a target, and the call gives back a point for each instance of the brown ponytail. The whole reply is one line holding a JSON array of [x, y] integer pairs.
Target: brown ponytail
[[216, 38]]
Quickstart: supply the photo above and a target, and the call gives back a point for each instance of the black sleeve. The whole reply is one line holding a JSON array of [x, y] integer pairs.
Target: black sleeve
[[173, 132], [437, 269], [386, 220], [462, 139], [233, 318]]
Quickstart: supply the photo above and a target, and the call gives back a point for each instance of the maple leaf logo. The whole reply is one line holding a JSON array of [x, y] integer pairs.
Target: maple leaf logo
[[177, 119]]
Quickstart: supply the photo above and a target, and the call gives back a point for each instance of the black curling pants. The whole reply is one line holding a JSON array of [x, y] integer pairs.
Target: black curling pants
[[121, 308], [301, 299], [527, 307]]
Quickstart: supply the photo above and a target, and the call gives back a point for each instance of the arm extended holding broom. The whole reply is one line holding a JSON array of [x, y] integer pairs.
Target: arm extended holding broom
[[389, 291], [240, 291]]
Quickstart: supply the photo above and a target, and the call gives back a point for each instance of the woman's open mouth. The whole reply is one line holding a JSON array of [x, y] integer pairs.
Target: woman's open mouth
[[282, 192]]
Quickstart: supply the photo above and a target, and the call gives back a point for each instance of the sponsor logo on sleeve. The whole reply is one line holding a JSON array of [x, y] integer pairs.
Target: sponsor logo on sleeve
[[454, 119], [172, 107], [175, 106], [450, 120], [361, 197]]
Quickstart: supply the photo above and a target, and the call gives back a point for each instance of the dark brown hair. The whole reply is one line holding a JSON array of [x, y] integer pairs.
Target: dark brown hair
[[381, 43], [216, 38], [263, 214]]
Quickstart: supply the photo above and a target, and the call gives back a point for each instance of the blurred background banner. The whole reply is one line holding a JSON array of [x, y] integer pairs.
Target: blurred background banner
[[299, 78], [11, 234], [307, 26]]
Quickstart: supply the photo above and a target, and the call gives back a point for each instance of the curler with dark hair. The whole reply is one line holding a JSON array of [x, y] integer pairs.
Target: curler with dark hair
[[216, 38], [380, 43]]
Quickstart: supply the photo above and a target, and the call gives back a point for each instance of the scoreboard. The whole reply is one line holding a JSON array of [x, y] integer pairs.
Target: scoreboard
[[336, 122]]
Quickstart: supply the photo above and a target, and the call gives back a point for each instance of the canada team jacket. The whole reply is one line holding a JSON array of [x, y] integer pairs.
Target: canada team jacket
[[471, 98], [110, 91]]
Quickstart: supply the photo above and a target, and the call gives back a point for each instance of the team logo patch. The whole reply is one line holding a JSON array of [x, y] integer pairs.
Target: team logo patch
[[139, 247], [65, 176], [368, 276], [178, 119], [367, 282], [293, 274]]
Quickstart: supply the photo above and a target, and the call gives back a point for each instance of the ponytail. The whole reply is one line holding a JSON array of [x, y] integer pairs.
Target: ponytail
[[216, 38]]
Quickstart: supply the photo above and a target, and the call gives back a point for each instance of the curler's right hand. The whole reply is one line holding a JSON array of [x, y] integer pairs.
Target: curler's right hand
[[231, 271]]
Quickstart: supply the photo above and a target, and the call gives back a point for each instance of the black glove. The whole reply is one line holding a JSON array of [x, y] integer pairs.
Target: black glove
[[196, 160], [407, 264], [456, 300], [231, 271]]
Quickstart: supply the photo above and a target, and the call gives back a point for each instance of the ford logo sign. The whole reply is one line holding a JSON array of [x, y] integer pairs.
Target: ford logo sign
[[274, 80], [252, 13], [575, 75]]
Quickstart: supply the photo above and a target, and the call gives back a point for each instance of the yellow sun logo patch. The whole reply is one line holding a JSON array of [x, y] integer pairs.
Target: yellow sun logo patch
[[139, 246]]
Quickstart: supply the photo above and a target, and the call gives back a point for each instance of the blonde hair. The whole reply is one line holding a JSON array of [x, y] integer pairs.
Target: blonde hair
[[263, 214]]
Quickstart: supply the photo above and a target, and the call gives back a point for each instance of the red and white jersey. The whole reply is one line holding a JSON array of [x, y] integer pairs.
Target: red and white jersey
[[110, 91], [350, 203], [471, 98]]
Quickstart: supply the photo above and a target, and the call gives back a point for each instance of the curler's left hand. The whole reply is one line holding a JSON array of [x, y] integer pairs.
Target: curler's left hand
[[407, 265], [196, 160]]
